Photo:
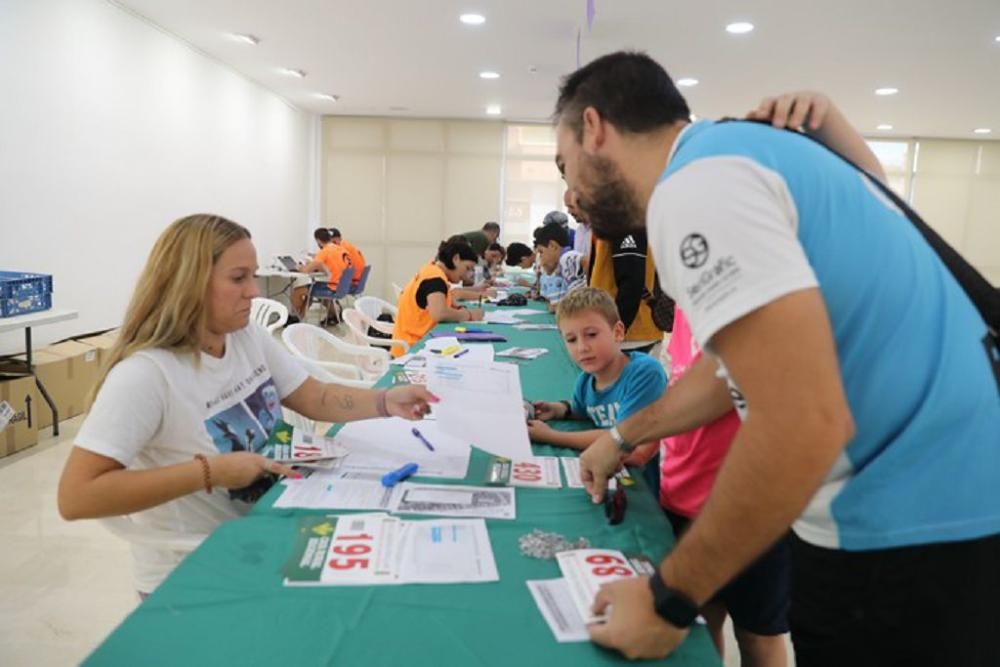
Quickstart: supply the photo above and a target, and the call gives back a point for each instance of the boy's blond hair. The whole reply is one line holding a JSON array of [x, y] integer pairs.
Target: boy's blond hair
[[587, 299]]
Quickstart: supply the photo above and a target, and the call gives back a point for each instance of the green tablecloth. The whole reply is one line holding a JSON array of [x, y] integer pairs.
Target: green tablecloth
[[225, 604]]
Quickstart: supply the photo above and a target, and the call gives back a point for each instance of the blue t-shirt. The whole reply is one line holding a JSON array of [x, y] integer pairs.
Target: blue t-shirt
[[641, 382], [745, 214]]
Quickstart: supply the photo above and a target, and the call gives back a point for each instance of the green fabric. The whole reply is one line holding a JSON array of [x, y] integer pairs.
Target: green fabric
[[478, 241], [225, 604]]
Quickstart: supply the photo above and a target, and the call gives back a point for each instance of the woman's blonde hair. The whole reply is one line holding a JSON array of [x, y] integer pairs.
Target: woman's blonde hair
[[168, 307]]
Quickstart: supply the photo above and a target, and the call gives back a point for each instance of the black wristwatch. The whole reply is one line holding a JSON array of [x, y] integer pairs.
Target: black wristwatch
[[672, 606]]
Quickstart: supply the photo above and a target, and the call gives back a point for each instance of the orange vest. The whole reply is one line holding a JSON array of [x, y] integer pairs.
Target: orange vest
[[602, 275], [357, 259], [335, 259], [412, 321]]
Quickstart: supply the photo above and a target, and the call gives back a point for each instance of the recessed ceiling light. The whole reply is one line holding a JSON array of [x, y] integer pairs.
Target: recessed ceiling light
[[687, 82], [253, 40], [997, 38], [472, 19], [886, 91], [739, 28], [489, 75], [293, 72], [883, 126], [982, 130], [327, 96], [494, 109]]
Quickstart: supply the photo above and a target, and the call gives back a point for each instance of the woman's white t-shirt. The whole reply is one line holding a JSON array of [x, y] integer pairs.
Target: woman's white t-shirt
[[158, 408]]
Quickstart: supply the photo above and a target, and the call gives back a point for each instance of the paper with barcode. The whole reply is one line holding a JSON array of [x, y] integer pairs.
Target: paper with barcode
[[6, 413], [556, 604]]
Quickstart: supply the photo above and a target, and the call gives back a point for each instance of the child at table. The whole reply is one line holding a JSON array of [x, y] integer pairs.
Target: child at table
[[560, 268], [613, 385]]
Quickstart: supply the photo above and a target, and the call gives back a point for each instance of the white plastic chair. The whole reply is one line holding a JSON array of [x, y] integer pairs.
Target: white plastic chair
[[135, 533], [270, 314], [372, 306], [357, 326], [396, 290], [317, 346]]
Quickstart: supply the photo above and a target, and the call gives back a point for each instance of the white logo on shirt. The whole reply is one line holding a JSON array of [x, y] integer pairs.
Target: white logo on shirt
[[628, 243], [604, 415]]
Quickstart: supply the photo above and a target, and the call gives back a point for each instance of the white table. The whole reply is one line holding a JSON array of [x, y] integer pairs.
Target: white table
[[291, 276], [33, 320]]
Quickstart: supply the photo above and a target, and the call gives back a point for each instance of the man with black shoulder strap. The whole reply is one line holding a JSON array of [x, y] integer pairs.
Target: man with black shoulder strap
[[871, 417]]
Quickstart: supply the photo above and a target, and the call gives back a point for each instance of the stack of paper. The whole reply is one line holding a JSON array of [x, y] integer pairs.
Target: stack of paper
[[499, 317], [585, 570], [522, 352], [538, 472], [537, 327], [297, 447], [367, 549]]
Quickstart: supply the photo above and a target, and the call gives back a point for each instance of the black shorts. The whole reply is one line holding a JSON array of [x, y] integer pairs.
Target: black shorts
[[931, 605], [758, 598]]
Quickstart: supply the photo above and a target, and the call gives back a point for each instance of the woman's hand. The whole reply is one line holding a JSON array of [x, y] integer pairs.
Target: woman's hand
[[793, 110], [239, 469], [409, 401]]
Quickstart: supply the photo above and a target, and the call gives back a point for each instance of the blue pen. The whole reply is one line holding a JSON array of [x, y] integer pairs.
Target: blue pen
[[422, 439], [465, 351], [391, 479]]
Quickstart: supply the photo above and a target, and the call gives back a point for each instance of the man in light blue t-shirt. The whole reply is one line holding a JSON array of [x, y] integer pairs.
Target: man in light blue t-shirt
[[871, 418]]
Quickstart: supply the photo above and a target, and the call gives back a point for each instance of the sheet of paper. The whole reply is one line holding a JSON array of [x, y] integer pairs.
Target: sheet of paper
[[571, 467], [447, 551], [306, 447], [444, 345], [538, 472], [585, 570], [522, 312], [556, 604], [536, 327], [382, 445], [523, 352], [499, 317], [488, 502], [334, 489], [475, 352], [481, 404]]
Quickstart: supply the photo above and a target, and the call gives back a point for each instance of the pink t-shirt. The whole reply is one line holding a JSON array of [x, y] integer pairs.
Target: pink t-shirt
[[689, 462]]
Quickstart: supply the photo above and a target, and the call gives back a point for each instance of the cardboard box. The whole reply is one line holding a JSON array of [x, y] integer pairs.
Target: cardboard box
[[83, 367], [102, 344], [53, 371], [21, 431]]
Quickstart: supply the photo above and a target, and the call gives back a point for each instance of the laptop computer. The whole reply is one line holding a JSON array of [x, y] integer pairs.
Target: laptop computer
[[289, 263]]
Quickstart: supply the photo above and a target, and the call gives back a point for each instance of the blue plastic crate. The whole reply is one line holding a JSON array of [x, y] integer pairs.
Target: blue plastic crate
[[17, 285], [24, 305]]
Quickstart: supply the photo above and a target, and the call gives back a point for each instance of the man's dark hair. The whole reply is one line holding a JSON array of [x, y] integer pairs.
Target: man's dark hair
[[492, 227], [546, 233], [628, 88], [334, 233], [322, 235], [516, 252], [450, 248], [496, 247]]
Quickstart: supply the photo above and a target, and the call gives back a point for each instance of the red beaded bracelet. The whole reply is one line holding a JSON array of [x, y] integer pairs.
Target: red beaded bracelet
[[206, 470]]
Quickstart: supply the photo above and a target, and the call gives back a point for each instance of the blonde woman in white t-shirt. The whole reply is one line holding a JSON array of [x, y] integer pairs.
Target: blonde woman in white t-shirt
[[191, 391]]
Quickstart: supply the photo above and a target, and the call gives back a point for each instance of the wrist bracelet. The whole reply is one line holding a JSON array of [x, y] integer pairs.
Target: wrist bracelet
[[380, 403], [569, 409], [206, 471]]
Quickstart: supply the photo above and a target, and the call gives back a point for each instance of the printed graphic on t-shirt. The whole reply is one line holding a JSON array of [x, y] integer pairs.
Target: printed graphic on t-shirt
[[604, 415], [244, 426]]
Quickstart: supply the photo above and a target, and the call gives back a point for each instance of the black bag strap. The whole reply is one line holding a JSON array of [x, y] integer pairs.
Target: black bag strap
[[983, 295]]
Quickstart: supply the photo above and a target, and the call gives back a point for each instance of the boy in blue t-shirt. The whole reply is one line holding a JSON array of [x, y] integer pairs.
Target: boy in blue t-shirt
[[613, 384]]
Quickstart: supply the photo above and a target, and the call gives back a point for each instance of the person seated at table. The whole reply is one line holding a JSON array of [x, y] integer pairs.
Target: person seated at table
[[331, 258], [522, 258], [612, 385], [467, 288], [358, 261], [561, 269], [428, 298], [494, 257], [175, 421]]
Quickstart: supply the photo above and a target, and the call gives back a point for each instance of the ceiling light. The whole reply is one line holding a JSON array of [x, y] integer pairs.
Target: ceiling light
[[886, 91], [489, 75], [293, 72], [687, 82], [472, 19], [997, 38], [883, 126], [982, 130], [494, 110], [739, 28], [253, 40], [327, 96]]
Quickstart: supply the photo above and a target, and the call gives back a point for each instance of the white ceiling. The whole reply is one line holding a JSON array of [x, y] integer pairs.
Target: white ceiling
[[379, 55]]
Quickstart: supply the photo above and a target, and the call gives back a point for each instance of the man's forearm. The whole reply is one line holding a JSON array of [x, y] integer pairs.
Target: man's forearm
[[695, 400], [768, 477]]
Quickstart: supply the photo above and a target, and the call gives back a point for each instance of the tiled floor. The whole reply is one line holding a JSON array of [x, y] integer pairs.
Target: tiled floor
[[64, 586]]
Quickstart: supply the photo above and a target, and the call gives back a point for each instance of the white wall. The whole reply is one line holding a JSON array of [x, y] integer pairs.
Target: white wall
[[109, 130]]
